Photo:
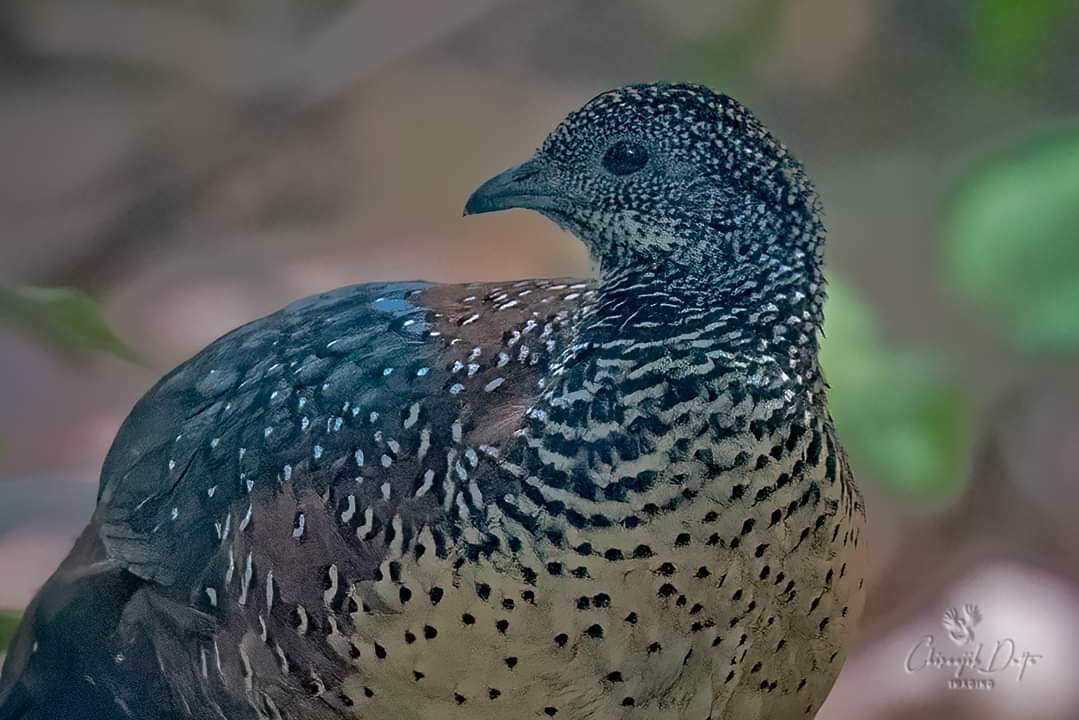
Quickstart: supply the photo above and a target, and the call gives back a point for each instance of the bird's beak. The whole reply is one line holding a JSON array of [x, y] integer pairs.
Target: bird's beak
[[522, 186]]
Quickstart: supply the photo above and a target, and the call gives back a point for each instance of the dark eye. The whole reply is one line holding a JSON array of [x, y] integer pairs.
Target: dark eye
[[625, 158]]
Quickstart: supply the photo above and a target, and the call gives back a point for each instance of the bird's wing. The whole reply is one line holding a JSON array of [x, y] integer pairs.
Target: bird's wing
[[252, 415], [254, 485], [330, 402]]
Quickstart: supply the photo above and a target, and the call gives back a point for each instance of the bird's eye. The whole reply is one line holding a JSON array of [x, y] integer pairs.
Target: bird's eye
[[625, 158]]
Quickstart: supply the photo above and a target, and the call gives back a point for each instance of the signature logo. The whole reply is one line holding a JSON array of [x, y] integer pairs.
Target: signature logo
[[979, 665], [960, 625]]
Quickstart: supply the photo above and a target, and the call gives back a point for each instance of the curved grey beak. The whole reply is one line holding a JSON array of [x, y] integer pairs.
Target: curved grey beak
[[522, 186]]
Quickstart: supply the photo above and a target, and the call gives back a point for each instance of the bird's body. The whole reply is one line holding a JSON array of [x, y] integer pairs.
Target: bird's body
[[603, 499]]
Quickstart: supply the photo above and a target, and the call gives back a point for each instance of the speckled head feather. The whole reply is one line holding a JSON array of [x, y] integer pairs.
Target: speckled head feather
[[691, 144], [681, 180]]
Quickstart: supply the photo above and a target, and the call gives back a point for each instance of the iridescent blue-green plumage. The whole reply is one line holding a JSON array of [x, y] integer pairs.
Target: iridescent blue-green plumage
[[278, 401]]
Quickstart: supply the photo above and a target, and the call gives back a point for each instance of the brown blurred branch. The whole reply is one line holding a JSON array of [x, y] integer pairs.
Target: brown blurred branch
[[367, 35], [259, 76]]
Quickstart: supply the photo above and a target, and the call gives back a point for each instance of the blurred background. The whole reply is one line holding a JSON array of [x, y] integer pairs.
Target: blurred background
[[171, 170]]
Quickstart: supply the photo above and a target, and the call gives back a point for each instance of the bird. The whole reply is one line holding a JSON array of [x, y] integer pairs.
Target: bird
[[615, 497], [960, 624]]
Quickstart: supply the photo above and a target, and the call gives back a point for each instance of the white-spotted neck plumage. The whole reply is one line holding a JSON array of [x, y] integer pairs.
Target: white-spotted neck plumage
[[620, 498]]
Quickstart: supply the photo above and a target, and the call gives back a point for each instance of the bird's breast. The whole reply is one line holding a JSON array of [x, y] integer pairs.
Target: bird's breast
[[721, 596]]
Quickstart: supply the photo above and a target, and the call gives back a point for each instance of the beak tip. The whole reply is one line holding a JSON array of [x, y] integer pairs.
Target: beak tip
[[472, 206], [483, 201]]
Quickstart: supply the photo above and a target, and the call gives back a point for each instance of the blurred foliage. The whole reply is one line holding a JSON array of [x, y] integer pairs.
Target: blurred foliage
[[1009, 38], [1012, 242], [900, 418], [723, 57], [9, 621], [64, 319]]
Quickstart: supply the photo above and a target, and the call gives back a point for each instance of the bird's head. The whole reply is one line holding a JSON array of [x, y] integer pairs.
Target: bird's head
[[669, 175]]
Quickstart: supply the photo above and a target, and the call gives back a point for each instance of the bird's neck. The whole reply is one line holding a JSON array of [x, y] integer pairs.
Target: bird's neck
[[761, 309], [679, 369], [668, 383]]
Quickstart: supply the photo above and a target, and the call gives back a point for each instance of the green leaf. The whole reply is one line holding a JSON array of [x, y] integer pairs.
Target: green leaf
[[9, 621], [1011, 242], [1010, 39], [65, 319], [898, 414]]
